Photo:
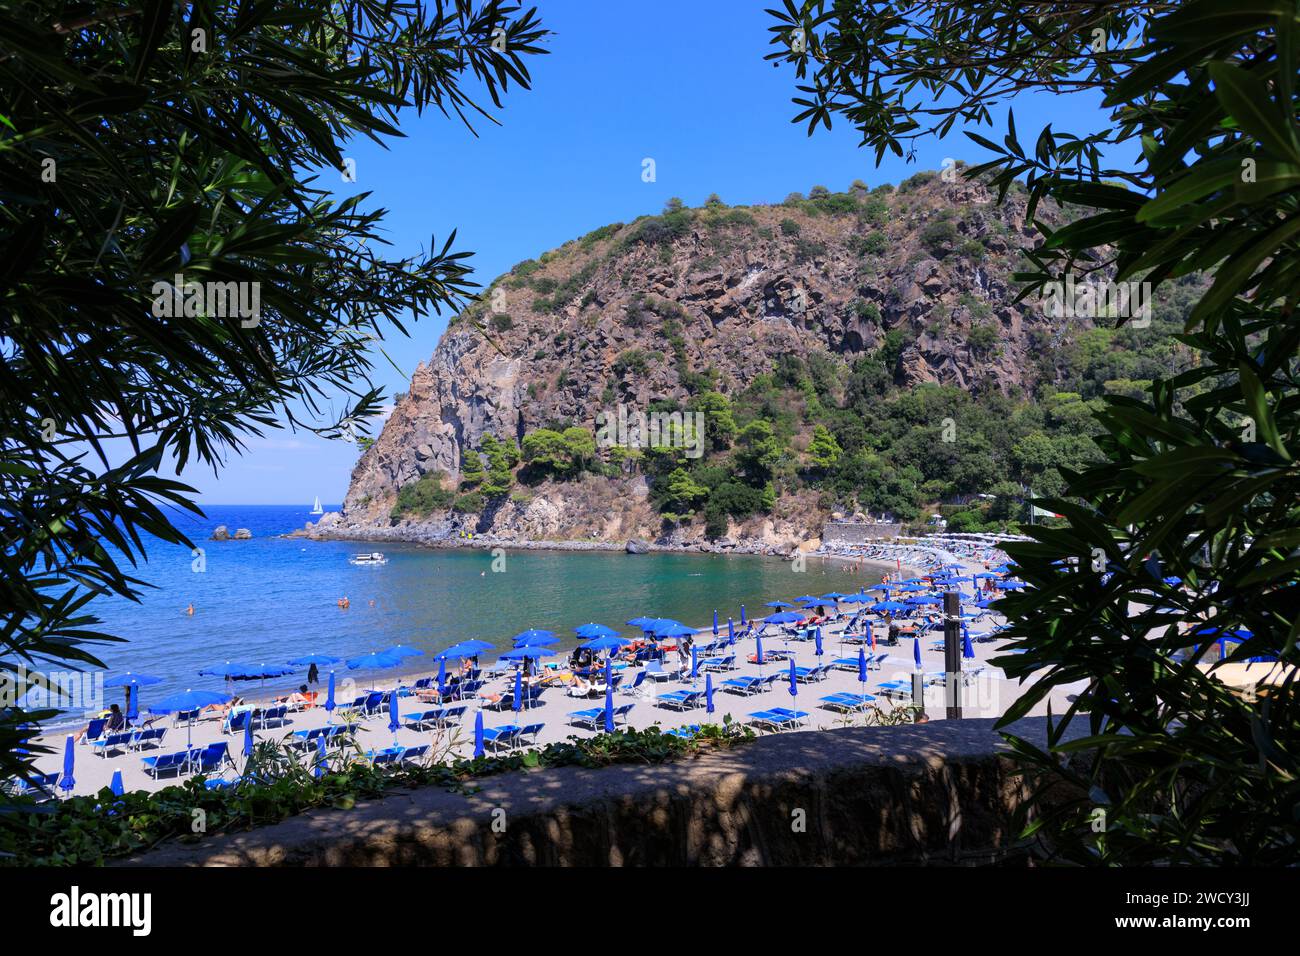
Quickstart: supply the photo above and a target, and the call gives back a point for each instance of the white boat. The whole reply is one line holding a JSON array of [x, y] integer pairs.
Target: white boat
[[375, 557], [316, 509]]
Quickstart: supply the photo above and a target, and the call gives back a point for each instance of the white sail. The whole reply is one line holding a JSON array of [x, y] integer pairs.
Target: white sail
[[317, 509]]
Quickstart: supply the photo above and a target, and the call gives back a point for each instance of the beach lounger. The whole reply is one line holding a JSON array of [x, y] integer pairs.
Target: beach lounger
[[177, 763], [634, 689], [271, 717], [655, 671], [680, 699], [415, 754], [686, 733], [777, 718], [117, 743], [235, 722], [385, 757], [40, 787], [149, 739], [810, 675], [306, 739], [501, 739], [744, 686], [94, 730], [719, 663], [212, 758], [847, 703], [896, 689], [531, 731]]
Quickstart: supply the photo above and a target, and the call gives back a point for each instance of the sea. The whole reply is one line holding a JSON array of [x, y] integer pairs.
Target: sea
[[272, 598]]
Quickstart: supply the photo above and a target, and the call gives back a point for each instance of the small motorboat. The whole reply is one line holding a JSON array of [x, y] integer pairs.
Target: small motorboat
[[375, 557]]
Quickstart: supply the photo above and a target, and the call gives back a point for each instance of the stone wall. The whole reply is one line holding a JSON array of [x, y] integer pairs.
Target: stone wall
[[857, 532], [936, 793]]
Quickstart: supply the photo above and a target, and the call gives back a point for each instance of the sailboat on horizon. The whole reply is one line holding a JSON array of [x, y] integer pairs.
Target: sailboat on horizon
[[316, 508]]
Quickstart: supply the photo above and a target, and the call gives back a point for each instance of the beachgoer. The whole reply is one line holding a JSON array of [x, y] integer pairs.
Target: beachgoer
[[115, 721], [190, 610]]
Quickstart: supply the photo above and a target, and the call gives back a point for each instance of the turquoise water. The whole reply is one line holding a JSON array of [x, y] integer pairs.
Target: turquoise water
[[272, 599]]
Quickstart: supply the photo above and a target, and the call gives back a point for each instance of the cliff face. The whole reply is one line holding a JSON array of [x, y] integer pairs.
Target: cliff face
[[626, 314]]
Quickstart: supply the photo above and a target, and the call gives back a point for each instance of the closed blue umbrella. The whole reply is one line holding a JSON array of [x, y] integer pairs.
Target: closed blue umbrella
[[518, 702], [715, 622], [967, 648], [695, 662], [394, 722], [329, 698], [609, 698], [478, 734], [731, 631], [322, 767], [817, 637], [248, 737], [794, 680], [132, 701], [68, 781], [916, 652], [758, 656], [862, 666], [115, 785], [708, 693]]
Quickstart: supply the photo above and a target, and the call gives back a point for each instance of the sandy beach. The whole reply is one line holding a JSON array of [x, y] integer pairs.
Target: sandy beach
[[986, 693]]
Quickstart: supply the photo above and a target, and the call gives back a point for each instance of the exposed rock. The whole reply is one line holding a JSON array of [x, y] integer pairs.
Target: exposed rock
[[243, 534], [221, 534], [637, 546]]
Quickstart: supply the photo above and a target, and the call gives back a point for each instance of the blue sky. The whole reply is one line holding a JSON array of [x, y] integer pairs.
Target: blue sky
[[682, 83]]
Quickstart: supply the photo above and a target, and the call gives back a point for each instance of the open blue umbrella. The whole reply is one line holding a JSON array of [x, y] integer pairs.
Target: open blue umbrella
[[322, 766], [925, 599], [677, 630], [605, 643], [758, 656], [777, 604], [224, 669], [609, 699], [375, 659], [475, 647], [539, 640], [708, 693], [115, 785], [640, 622], [1012, 585], [518, 702], [785, 617], [794, 680], [833, 596], [522, 653], [68, 781], [916, 652], [402, 651], [132, 701], [248, 737], [478, 734], [890, 607], [188, 700], [128, 679], [715, 622], [531, 636], [394, 722], [593, 629], [329, 698], [320, 660], [817, 638], [661, 624]]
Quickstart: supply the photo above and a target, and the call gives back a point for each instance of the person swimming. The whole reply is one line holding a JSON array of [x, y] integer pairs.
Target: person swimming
[[190, 610]]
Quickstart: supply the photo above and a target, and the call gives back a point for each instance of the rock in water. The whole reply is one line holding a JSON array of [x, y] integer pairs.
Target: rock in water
[[221, 534], [637, 546], [243, 534]]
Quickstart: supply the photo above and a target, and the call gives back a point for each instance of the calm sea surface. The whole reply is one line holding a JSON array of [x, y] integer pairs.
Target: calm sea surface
[[272, 599]]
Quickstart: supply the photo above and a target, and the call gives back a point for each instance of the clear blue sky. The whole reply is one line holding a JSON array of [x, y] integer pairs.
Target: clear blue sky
[[684, 83]]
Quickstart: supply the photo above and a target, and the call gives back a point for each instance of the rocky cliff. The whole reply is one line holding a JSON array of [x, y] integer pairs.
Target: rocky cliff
[[642, 312]]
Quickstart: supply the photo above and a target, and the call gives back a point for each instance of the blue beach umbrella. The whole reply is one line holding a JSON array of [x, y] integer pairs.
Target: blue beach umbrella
[[442, 677], [967, 648], [128, 679], [322, 767], [248, 737], [708, 693], [1012, 585], [518, 702], [640, 622], [474, 647], [784, 617], [777, 604], [478, 734], [224, 669], [833, 596], [329, 698], [695, 662], [522, 653], [605, 643], [115, 785], [916, 652], [715, 622], [677, 630], [394, 722], [132, 701], [320, 660], [609, 699], [595, 630], [862, 666], [817, 637], [890, 607], [742, 615], [807, 597], [68, 781], [532, 635], [794, 680], [188, 700], [401, 651], [376, 659], [731, 631], [758, 640], [540, 640]]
